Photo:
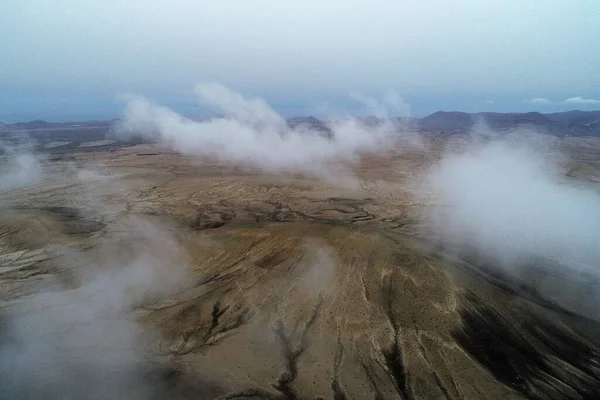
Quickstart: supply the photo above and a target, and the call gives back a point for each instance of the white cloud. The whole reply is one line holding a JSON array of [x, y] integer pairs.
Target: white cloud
[[254, 134], [537, 101], [582, 100]]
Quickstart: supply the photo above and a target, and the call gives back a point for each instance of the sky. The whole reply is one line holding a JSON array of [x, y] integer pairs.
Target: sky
[[74, 60]]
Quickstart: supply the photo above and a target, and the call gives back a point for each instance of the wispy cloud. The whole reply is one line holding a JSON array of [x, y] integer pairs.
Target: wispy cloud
[[254, 134], [537, 101], [503, 199], [582, 100]]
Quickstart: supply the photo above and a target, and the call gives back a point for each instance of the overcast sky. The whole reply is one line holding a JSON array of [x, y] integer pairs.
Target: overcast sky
[[71, 59]]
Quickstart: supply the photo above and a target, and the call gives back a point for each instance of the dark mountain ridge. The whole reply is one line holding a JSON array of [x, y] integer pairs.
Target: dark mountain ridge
[[569, 123]]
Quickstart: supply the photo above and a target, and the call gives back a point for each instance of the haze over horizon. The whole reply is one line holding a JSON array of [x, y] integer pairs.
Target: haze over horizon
[[68, 60]]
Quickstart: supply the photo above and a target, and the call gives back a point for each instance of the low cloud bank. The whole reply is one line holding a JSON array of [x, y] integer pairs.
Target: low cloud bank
[[508, 200], [252, 133], [79, 338]]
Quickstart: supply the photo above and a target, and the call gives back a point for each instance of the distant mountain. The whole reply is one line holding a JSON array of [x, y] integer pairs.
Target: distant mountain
[[570, 123], [575, 115], [310, 123], [511, 121], [447, 121], [577, 123], [41, 124], [35, 124]]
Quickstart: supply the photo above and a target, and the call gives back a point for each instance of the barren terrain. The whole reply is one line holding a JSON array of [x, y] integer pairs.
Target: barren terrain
[[296, 288]]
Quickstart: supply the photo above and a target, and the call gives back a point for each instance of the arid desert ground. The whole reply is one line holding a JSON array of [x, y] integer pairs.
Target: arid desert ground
[[143, 273]]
